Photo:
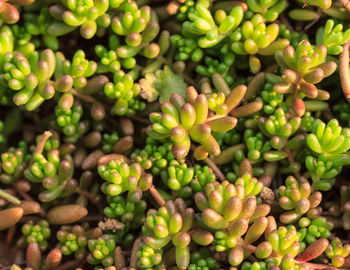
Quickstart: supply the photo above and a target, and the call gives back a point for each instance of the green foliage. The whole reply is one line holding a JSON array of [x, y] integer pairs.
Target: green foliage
[[36, 233]]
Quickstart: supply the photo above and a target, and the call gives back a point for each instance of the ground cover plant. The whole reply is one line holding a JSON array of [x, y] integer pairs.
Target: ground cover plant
[[174, 134]]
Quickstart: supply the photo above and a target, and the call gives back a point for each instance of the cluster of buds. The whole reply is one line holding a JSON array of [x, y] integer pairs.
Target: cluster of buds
[[155, 156], [101, 250], [187, 48], [73, 239], [177, 176], [254, 266], [255, 144], [284, 242], [298, 199], [203, 260], [279, 128], [221, 65], [311, 229], [127, 211], [125, 91], [271, 99], [109, 61], [171, 223], [13, 163], [109, 141], [121, 177], [183, 122], [36, 233], [148, 257], [68, 117], [203, 175], [253, 35]]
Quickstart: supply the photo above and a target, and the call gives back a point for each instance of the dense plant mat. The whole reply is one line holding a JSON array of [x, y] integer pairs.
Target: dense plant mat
[[173, 135]]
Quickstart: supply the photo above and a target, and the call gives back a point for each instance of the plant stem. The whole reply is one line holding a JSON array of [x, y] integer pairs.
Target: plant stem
[[83, 97], [215, 168], [133, 257], [156, 195], [41, 144], [9, 197]]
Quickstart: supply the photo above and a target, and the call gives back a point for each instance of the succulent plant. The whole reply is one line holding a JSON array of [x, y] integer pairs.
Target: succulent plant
[[36, 233], [336, 251], [68, 116], [139, 27], [304, 67], [311, 229], [170, 223], [221, 65], [13, 163], [44, 25], [125, 91], [78, 69], [202, 259], [332, 37], [199, 135], [30, 78], [284, 241], [88, 15], [208, 28], [183, 122], [269, 9], [177, 175], [228, 209], [328, 144], [108, 141], [297, 197], [53, 173], [128, 211], [101, 250], [155, 156], [121, 177], [73, 239]]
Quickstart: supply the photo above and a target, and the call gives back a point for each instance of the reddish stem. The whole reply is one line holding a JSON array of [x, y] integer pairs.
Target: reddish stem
[[41, 144], [133, 256], [215, 168], [156, 195]]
